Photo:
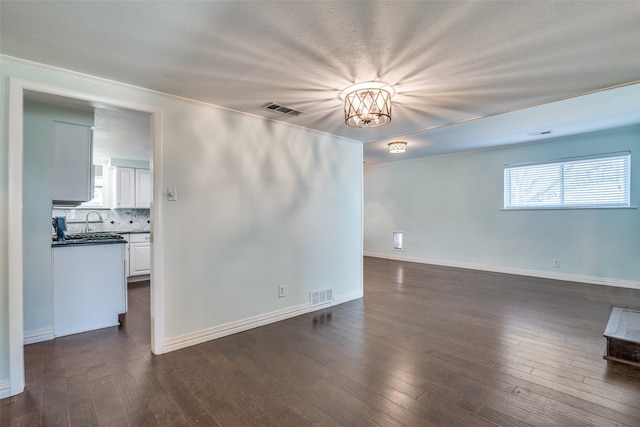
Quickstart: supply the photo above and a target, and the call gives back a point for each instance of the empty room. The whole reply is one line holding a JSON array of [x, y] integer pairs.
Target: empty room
[[336, 213]]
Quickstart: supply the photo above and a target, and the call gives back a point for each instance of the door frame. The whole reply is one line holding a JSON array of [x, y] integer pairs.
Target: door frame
[[17, 89]]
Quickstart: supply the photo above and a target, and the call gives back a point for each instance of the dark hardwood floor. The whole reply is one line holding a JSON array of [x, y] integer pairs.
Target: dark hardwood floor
[[427, 346]]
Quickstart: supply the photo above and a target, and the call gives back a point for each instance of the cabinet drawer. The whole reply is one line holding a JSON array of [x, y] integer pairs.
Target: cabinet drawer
[[139, 237]]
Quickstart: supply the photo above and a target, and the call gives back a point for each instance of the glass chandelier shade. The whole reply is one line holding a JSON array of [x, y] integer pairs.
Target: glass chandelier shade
[[366, 108], [397, 147]]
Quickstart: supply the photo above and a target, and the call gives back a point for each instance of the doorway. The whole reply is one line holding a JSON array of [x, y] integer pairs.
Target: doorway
[[18, 89]]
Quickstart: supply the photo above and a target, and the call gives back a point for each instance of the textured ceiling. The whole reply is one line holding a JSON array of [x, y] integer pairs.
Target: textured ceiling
[[467, 75]]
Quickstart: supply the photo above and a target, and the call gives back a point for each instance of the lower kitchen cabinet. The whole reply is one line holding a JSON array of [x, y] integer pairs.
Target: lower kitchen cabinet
[[89, 287], [139, 254]]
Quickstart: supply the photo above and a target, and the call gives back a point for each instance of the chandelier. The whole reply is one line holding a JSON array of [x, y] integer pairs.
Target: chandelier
[[397, 147], [367, 105]]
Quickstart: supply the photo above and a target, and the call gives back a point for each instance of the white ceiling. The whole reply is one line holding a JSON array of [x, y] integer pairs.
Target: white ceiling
[[118, 133], [468, 75], [121, 134]]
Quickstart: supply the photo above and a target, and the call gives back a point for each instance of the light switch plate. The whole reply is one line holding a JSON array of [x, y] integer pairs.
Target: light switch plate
[[172, 194]]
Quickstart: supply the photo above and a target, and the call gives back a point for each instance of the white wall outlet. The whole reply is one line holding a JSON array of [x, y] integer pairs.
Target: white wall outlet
[[281, 291], [556, 263]]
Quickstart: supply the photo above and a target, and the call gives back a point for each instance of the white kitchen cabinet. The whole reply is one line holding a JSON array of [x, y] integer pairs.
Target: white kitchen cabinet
[[72, 160], [131, 188], [89, 287], [139, 254], [123, 186], [143, 188]]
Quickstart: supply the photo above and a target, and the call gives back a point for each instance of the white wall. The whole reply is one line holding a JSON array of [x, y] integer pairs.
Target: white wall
[[449, 209], [37, 181], [259, 204]]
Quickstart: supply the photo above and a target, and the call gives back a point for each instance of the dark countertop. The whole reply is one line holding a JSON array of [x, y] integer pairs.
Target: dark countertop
[[89, 241], [56, 244], [78, 239], [69, 243]]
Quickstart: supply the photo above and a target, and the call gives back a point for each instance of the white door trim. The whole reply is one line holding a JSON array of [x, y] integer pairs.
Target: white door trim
[[17, 88]]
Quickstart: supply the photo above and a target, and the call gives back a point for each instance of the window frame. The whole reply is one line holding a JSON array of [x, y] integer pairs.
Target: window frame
[[508, 205], [92, 204]]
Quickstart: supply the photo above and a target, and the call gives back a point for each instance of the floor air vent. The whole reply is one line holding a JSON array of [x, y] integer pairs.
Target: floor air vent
[[272, 106], [321, 296]]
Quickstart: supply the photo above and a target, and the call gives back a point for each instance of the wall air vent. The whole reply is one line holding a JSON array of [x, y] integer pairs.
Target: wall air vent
[[272, 106], [321, 296]]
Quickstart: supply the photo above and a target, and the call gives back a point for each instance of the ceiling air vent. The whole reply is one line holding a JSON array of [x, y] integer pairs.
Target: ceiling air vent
[[544, 132], [272, 106]]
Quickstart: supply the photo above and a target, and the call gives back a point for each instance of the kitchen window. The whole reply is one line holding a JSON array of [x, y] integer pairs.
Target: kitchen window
[[600, 181], [98, 200]]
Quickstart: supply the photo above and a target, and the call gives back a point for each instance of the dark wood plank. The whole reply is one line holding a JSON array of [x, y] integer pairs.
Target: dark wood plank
[[180, 393], [55, 400], [81, 409], [427, 346]]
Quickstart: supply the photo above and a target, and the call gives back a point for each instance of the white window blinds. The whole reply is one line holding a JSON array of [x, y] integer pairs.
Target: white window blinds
[[600, 181]]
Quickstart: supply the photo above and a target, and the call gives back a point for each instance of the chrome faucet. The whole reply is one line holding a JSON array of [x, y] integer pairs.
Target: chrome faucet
[[86, 220]]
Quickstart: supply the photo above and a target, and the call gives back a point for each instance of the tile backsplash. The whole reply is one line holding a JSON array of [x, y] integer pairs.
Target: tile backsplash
[[113, 220]]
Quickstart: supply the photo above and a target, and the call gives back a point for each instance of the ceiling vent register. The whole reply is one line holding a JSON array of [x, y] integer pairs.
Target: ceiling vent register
[[272, 106]]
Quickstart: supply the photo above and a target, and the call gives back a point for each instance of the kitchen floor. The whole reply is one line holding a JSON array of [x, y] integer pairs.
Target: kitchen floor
[[427, 346], [79, 379]]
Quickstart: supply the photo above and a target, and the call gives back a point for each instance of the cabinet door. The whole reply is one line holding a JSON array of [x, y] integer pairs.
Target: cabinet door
[[139, 254], [72, 154], [143, 188], [124, 188]]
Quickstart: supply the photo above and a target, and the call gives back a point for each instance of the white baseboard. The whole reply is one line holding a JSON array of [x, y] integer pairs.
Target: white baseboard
[[139, 278], [230, 328], [592, 280], [38, 335], [346, 297], [5, 391]]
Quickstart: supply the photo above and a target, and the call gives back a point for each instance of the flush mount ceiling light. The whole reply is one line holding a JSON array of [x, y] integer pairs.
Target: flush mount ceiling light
[[397, 147], [367, 105]]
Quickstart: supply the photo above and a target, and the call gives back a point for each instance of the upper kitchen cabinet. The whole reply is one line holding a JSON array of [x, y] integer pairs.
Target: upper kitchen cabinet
[[131, 188], [72, 159], [143, 188], [123, 188]]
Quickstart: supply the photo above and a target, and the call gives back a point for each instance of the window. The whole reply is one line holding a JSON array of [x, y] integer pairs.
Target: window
[[600, 181], [98, 188]]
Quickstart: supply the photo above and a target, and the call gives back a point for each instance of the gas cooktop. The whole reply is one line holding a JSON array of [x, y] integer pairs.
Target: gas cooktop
[[94, 236], [84, 238]]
